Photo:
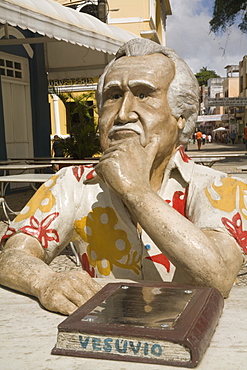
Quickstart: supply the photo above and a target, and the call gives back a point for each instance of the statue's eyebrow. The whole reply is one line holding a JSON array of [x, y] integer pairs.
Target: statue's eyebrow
[[131, 84], [110, 85], [142, 83]]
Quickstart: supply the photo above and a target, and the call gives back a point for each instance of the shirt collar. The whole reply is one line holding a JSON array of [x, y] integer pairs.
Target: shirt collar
[[182, 162]]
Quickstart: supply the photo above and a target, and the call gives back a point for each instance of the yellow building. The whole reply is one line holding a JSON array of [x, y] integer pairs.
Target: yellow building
[[76, 87], [231, 90], [243, 88], [144, 18]]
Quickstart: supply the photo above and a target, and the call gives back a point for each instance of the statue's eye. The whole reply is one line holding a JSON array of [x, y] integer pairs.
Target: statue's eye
[[116, 96], [142, 96]]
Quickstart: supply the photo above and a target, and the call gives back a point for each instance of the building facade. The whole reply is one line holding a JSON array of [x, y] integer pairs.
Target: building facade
[[144, 18], [242, 112], [24, 110], [41, 41], [231, 90], [234, 85]]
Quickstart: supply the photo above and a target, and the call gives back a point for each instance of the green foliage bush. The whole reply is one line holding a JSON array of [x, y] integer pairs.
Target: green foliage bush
[[83, 140]]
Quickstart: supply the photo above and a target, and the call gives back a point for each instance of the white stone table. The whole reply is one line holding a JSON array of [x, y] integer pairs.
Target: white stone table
[[28, 333]]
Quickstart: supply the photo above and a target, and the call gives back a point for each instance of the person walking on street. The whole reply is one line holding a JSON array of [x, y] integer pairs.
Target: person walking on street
[[199, 139], [245, 136], [233, 137], [57, 150], [194, 138]]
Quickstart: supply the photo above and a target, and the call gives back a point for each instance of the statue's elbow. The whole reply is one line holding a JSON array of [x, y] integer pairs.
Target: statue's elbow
[[225, 281]]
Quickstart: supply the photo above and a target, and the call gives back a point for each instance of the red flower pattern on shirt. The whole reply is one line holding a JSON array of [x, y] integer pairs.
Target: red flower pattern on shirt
[[78, 172], [86, 265], [235, 227], [184, 156], [40, 229], [10, 231], [90, 175], [179, 200], [162, 259]]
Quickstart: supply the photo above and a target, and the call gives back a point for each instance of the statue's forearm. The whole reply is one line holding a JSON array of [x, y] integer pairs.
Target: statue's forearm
[[172, 233], [22, 271], [198, 255], [22, 265], [57, 291]]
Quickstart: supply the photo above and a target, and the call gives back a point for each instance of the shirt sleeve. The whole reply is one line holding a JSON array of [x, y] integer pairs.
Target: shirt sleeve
[[50, 214], [220, 205]]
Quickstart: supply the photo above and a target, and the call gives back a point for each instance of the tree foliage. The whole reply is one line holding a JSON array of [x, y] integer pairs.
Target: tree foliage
[[225, 14], [204, 75], [84, 139]]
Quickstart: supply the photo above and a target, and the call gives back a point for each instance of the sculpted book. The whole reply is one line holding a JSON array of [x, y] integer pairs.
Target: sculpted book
[[160, 323]]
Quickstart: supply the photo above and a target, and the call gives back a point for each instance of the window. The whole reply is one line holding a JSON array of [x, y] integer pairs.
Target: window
[[10, 68]]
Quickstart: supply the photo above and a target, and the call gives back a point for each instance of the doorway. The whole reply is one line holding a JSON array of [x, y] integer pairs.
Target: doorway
[[16, 105]]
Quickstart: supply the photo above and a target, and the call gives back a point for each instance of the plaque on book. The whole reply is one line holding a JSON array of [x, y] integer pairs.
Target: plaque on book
[[160, 323]]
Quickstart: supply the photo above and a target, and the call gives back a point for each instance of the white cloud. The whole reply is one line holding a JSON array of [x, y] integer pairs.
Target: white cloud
[[188, 34]]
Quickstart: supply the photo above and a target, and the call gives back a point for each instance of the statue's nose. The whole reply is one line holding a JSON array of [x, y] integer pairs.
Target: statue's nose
[[126, 111]]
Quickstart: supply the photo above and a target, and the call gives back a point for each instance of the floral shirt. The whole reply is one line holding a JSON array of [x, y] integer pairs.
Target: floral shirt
[[67, 208]]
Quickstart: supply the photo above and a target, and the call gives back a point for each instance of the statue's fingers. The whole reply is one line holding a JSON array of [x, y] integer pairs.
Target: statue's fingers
[[82, 282], [68, 308], [77, 299], [58, 302]]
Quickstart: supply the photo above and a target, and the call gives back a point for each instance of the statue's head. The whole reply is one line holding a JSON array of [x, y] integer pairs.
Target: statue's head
[[147, 60]]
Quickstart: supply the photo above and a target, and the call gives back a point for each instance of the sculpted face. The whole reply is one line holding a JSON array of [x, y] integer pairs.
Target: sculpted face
[[135, 103]]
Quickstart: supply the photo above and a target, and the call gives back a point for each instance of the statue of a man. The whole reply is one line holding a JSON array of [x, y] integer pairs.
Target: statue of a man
[[146, 211]]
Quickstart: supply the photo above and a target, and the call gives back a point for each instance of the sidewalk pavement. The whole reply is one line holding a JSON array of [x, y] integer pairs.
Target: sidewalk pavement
[[229, 164], [210, 148]]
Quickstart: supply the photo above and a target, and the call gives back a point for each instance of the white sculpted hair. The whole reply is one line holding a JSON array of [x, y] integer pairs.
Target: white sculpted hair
[[183, 92]]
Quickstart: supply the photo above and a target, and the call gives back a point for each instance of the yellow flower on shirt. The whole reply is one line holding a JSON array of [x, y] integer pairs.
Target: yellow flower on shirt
[[43, 199], [107, 246], [228, 195]]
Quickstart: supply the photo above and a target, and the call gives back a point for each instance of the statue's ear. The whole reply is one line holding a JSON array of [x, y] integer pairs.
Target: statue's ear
[[181, 123]]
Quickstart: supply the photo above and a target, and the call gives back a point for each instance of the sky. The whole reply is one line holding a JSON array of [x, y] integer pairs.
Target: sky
[[188, 34]]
